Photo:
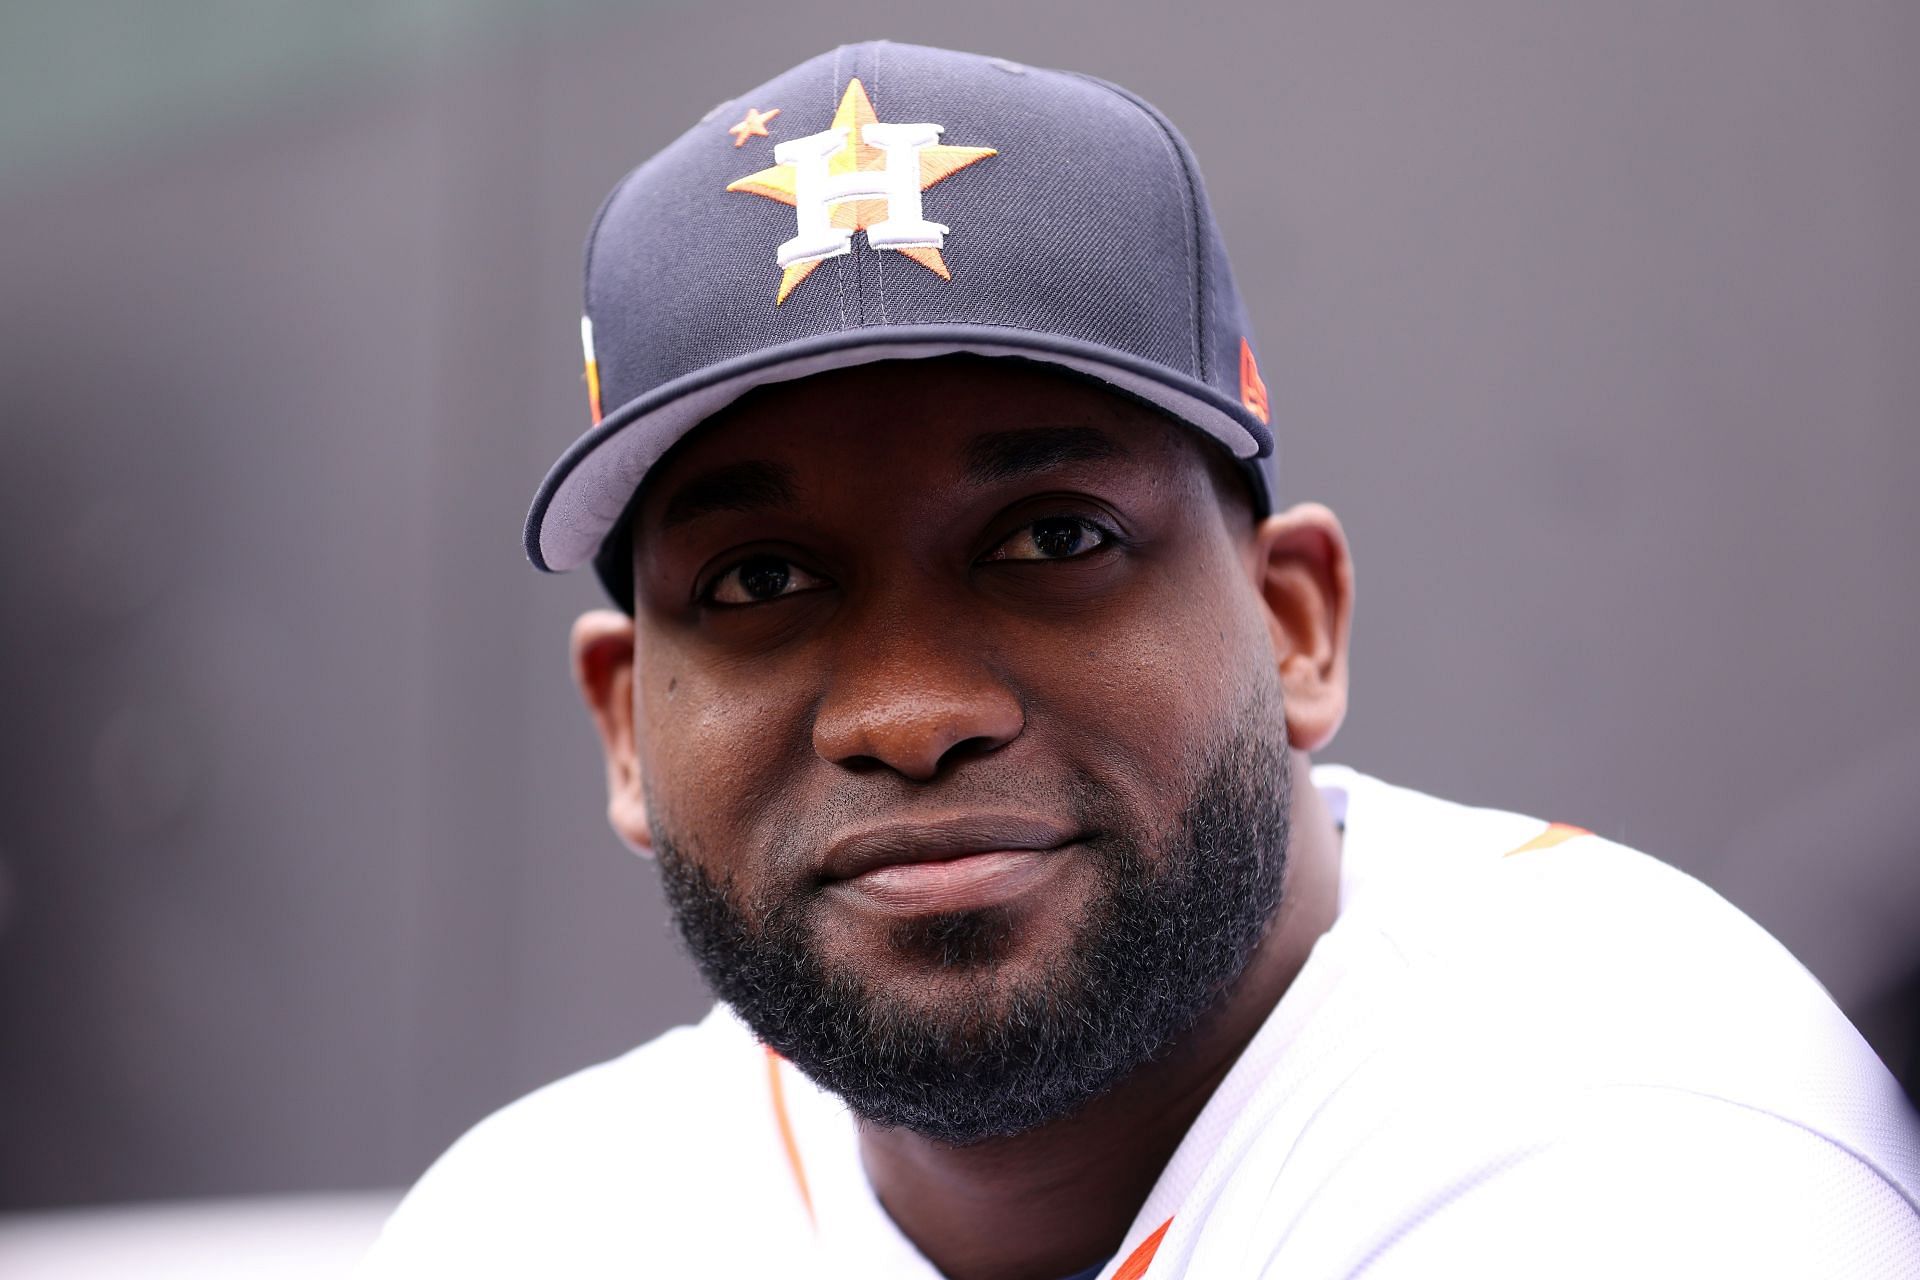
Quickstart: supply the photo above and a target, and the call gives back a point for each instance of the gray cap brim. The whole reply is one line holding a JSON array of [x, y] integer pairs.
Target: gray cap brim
[[587, 491]]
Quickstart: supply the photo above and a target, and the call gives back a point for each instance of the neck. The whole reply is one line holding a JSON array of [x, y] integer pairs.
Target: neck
[[1058, 1199]]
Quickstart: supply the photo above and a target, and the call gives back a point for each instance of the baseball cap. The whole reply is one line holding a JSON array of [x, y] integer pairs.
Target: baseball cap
[[888, 201]]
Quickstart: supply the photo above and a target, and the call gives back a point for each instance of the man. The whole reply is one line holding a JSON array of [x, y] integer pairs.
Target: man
[[965, 687]]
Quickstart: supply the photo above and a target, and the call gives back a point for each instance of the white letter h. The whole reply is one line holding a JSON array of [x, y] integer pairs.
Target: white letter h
[[898, 184]]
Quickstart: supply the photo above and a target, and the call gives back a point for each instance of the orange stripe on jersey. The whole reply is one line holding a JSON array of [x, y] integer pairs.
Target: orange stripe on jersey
[[1556, 833], [1136, 1264], [778, 1090]]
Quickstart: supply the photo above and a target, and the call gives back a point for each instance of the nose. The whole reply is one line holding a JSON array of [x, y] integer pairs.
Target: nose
[[914, 699]]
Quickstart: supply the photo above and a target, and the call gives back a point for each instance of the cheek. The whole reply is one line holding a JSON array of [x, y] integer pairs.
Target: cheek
[[714, 760], [1153, 685]]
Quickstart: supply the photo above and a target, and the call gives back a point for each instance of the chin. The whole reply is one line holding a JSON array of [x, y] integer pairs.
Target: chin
[[933, 959]]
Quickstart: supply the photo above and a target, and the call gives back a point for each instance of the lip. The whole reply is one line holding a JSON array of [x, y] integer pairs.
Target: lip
[[970, 883], [963, 837]]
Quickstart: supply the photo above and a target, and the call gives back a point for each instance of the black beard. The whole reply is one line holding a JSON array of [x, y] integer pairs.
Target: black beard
[[1170, 932]]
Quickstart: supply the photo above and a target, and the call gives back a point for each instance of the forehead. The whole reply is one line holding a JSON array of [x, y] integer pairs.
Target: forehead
[[922, 422]]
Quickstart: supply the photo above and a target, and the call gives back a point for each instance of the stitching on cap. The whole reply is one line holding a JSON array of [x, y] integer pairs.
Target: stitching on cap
[[879, 259], [856, 261], [1191, 209], [839, 264]]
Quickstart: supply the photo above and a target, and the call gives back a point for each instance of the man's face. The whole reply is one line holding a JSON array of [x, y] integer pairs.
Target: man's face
[[960, 731]]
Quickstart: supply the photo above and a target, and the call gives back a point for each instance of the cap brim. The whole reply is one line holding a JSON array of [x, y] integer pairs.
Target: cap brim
[[588, 489]]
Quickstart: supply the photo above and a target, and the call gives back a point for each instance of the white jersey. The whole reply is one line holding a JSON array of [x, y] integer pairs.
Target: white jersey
[[1521, 1050]]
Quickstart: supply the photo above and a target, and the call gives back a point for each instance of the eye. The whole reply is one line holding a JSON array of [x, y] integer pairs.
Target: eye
[[759, 579], [1054, 538]]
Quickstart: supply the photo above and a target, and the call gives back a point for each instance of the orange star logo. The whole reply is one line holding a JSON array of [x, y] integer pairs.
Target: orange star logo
[[754, 125], [856, 155]]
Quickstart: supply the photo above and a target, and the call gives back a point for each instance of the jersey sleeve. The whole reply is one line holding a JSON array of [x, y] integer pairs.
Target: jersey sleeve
[[1659, 1183]]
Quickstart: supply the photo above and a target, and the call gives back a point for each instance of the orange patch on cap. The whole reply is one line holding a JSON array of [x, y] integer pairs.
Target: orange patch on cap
[[1253, 392]]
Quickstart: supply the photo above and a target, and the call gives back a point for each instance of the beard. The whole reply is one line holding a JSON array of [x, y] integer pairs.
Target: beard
[[1171, 927]]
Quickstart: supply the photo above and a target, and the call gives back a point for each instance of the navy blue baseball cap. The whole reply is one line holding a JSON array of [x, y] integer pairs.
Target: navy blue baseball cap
[[887, 201]]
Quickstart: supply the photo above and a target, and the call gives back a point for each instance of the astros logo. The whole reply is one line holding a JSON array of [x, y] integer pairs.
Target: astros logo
[[858, 175]]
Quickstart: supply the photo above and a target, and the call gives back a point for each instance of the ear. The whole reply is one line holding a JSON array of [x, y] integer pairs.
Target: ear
[[1305, 577], [603, 668]]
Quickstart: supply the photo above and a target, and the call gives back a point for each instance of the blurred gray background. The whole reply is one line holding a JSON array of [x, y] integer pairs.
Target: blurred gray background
[[1599, 324]]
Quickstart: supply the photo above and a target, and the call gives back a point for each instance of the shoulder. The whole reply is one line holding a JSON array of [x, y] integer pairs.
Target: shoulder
[[1491, 892], [1620, 1180], [584, 1170], [1537, 955]]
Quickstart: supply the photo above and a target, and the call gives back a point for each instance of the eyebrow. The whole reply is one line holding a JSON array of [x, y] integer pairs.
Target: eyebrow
[[1007, 455], [738, 486]]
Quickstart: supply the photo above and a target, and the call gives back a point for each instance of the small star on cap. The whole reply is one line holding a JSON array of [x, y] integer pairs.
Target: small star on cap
[[753, 125]]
